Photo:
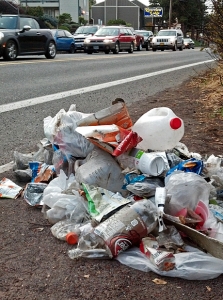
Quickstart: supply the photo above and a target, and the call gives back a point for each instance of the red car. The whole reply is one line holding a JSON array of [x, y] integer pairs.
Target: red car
[[111, 38]]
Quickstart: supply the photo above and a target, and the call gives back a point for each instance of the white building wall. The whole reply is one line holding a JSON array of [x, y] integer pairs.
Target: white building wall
[[70, 7]]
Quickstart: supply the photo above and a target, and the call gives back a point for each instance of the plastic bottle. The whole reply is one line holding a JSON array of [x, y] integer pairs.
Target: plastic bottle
[[122, 230], [160, 199], [159, 128]]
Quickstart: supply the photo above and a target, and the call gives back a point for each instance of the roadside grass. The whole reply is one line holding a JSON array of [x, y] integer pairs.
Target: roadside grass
[[210, 84]]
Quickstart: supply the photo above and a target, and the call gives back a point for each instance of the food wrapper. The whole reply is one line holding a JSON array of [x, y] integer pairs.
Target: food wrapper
[[190, 165], [33, 193], [111, 138], [102, 203], [130, 141], [8, 189], [42, 172], [162, 259]]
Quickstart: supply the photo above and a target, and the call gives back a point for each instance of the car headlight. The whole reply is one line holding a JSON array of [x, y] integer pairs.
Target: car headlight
[[172, 40], [87, 41], [107, 41], [1, 35]]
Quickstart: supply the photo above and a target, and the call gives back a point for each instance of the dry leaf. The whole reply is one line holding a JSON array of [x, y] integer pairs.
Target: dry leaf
[[159, 281], [39, 229], [208, 288], [86, 276]]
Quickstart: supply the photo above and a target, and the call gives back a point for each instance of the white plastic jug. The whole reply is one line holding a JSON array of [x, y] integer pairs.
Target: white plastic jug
[[159, 128]]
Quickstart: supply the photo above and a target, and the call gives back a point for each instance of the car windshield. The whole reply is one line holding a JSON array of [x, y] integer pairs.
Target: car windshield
[[166, 33], [86, 30], [187, 40], [145, 33], [8, 22], [107, 31]]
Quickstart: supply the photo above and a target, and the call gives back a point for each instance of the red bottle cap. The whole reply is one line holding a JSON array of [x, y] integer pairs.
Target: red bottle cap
[[72, 238], [175, 123]]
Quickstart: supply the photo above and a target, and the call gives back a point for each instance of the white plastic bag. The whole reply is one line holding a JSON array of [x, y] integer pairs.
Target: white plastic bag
[[193, 265], [100, 169]]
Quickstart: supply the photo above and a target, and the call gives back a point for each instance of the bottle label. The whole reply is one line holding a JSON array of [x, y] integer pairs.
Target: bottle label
[[123, 229], [139, 154]]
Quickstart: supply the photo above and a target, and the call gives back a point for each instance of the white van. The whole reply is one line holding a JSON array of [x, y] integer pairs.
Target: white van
[[168, 39]]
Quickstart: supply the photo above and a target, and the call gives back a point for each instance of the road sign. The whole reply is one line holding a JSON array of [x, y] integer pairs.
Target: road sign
[[153, 12]]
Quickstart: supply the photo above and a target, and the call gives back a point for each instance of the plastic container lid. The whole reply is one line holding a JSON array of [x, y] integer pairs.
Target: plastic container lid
[[175, 123], [72, 238]]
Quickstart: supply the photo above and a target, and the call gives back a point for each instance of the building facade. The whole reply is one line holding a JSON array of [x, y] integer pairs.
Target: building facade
[[54, 8], [131, 12]]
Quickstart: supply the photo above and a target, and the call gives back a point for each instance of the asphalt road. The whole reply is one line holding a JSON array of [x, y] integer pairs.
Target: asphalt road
[[32, 88]]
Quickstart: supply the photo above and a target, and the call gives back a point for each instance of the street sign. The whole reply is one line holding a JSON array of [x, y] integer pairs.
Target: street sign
[[153, 12]]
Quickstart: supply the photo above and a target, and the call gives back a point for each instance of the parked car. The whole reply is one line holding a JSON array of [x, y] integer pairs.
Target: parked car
[[188, 43], [82, 32], [168, 39], [23, 35], [65, 41], [139, 39], [110, 38], [148, 36]]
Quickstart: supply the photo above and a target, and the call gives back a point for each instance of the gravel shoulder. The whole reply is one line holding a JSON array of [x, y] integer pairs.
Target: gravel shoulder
[[35, 265]]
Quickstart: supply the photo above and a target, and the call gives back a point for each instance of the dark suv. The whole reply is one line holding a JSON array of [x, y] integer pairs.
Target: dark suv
[[23, 35]]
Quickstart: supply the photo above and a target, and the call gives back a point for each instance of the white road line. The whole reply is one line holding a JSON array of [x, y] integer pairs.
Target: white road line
[[61, 95], [52, 97]]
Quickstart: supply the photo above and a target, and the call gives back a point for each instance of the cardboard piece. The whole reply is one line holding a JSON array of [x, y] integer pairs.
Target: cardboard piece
[[116, 114], [208, 244]]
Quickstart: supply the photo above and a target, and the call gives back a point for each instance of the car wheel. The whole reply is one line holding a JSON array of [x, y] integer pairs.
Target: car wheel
[[174, 47], [11, 51], [89, 51], [139, 48], [51, 50], [106, 51], [162, 49], [131, 49], [147, 47], [116, 51], [154, 49], [181, 48], [72, 49]]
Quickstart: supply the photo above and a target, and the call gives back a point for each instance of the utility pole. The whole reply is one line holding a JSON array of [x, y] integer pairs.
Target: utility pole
[[170, 13]]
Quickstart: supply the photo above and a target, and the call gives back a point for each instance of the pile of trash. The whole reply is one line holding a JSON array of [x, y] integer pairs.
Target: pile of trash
[[133, 192]]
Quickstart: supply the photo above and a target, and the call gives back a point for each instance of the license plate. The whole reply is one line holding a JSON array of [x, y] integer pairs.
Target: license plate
[[96, 47], [161, 44]]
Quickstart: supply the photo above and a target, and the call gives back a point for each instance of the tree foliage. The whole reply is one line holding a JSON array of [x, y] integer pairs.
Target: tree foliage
[[116, 22], [35, 11], [213, 31], [191, 14], [64, 18]]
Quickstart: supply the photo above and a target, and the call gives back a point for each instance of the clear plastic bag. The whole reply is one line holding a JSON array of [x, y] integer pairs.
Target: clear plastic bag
[[60, 130], [186, 189], [192, 265]]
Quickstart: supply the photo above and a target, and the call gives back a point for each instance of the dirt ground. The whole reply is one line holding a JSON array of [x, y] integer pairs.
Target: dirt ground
[[35, 265]]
